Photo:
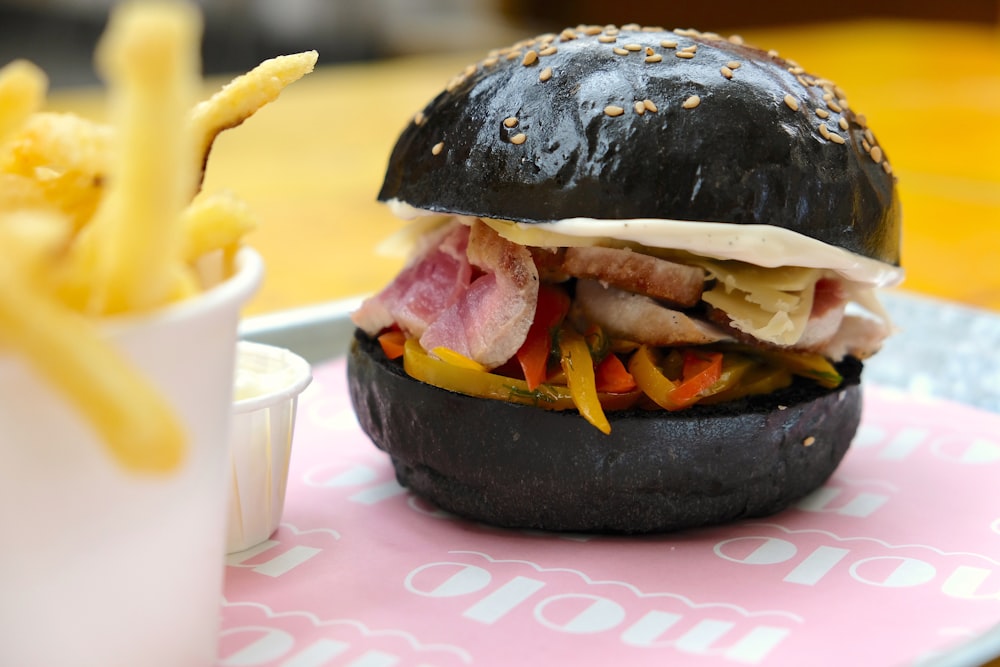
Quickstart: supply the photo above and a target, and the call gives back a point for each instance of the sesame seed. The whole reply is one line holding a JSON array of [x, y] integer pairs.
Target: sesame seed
[[654, 58], [735, 39], [862, 119], [773, 53], [733, 64], [652, 28], [419, 118], [548, 51], [822, 113], [684, 54], [803, 81], [809, 441], [687, 32], [469, 70], [510, 121], [843, 102], [843, 123], [519, 138], [607, 39], [513, 55], [886, 167], [592, 30], [691, 102], [798, 69], [613, 110], [620, 51], [491, 61], [869, 136], [833, 106], [632, 26], [668, 44], [867, 146], [726, 72], [711, 35], [545, 74], [633, 47], [649, 50], [792, 103], [530, 58], [438, 147], [640, 108], [649, 106], [824, 131], [691, 49], [567, 35], [876, 154], [836, 138]]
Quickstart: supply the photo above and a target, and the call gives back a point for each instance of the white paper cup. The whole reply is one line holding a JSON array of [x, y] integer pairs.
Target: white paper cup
[[268, 383], [100, 566]]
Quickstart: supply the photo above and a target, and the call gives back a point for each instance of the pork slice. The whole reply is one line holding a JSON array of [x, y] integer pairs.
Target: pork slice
[[678, 284], [858, 336], [639, 318], [490, 320], [431, 282]]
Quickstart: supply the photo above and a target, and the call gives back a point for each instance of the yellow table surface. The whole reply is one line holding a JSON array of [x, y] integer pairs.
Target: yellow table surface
[[311, 164]]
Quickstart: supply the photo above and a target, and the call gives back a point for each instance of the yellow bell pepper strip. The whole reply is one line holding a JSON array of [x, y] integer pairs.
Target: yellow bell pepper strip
[[645, 369], [421, 366], [807, 364], [578, 365], [699, 375], [760, 378], [457, 359], [553, 304], [392, 343]]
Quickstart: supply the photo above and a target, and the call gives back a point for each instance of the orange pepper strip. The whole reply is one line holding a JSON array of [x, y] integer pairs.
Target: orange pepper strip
[[701, 371], [578, 365], [611, 375], [392, 343], [553, 304]]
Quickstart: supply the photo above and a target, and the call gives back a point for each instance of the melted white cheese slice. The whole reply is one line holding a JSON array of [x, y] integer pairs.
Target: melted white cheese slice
[[765, 276], [762, 245]]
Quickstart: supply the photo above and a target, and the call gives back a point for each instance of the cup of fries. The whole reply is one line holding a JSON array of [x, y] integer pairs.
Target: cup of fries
[[121, 286], [269, 380]]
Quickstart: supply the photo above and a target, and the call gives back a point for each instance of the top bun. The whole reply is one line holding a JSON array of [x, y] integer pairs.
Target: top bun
[[630, 122]]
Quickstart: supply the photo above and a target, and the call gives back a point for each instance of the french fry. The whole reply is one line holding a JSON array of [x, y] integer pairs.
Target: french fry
[[149, 57], [214, 222], [22, 92], [66, 156], [98, 220], [130, 415], [244, 95]]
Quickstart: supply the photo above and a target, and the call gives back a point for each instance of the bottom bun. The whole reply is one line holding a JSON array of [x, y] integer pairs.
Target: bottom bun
[[524, 467]]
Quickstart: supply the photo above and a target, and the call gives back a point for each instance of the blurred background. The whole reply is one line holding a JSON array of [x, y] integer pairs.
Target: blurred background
[[926, 74], [59, 34]]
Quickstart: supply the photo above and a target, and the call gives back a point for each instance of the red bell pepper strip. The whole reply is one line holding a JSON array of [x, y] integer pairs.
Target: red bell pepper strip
[[553, 304]]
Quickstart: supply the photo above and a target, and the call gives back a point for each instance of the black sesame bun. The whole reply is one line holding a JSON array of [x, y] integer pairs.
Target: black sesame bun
[[649, 124], [522, 467], [602, 124]]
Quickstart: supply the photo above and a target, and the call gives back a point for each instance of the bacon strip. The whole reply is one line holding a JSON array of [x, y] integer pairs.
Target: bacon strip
[[434, 280], [678, 284], [490, 320]]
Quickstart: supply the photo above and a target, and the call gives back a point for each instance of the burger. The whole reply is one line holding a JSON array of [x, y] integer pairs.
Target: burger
[[641, 284]]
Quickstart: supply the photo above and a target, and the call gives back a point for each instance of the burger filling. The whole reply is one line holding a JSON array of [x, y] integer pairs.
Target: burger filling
[[558, 317]]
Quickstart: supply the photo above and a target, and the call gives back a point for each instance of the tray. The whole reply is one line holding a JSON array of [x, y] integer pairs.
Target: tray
[[942, 351]]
